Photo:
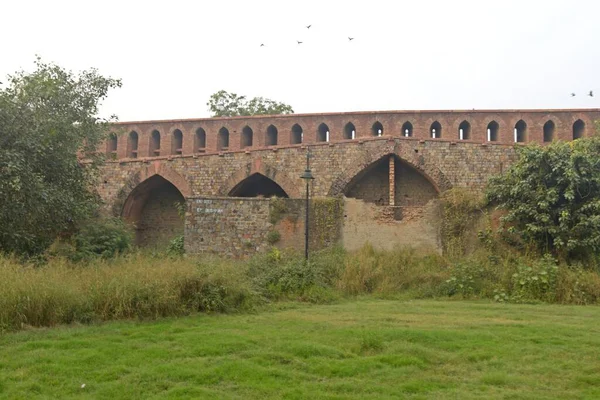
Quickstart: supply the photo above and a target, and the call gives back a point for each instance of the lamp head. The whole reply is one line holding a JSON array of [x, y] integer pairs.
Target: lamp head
[[307, 175]]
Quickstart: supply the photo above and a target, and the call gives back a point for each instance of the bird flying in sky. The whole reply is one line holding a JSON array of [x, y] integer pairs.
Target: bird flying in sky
[[308, 26], [572, 94], [591, 93], [350, 38], [299, 42]]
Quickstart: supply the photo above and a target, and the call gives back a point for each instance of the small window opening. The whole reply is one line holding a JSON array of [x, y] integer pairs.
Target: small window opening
[[549, 129], [223, 139], [177, 143], [436, 130], [464, 131], [578, 129], [111, 149], [155, 143], [377, 129], [247, 137], [323, 133], [520, 132], [297, 134], [132, 145], [271, 136], [492, 131], [407, 129], [200, 141], [349, 131]]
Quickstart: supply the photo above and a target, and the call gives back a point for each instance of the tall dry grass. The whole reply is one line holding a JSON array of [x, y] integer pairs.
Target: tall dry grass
[[147, 286], [133, 286]]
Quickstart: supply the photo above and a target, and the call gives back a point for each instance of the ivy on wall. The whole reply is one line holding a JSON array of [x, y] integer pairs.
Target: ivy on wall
[[326, 219]]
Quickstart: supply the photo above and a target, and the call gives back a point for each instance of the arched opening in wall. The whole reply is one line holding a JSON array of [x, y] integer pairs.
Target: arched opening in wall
[[549, 129], [464, 131], [578, 129], [177, 142], [111, 146], [323, 133], [271, 136], [520, 131], [223, 139], [377, 129], [411, 187], [257, 185], [436, 130], [154, 143], [200, 141], [349, 131], [154, 209], [407, 129], [247, 137], [297, 134], [492, 131], [132, 145]]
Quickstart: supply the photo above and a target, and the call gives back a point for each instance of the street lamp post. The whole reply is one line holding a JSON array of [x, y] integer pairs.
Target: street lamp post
[[307, 176]]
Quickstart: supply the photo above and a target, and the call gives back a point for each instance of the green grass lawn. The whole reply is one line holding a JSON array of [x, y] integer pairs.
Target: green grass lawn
[[360, 349]]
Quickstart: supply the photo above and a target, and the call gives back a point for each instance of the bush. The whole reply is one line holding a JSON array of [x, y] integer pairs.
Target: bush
[[103, 237], [176, 247], [551, 196], [389, 272], [273, 237]]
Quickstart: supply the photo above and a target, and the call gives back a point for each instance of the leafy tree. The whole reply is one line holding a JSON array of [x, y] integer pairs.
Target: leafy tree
[[551, 196], [225, 104], [47, 122]]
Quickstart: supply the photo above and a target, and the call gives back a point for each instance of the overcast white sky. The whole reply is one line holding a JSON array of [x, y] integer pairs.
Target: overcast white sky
[[426, 54]]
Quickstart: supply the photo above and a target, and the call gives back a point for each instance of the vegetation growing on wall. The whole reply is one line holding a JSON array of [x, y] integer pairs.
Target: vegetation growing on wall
[[326, 219], [461, 210]]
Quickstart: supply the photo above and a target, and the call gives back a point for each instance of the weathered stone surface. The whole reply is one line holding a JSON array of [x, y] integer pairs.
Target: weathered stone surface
[[203, 173]]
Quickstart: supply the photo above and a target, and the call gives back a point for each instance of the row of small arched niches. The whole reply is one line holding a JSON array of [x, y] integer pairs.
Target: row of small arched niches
[[297, 136]]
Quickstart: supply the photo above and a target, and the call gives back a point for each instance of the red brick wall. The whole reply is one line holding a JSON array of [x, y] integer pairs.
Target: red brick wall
[[391, 122]]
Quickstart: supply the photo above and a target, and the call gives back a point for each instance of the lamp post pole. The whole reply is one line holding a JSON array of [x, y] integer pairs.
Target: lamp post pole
[[307, 176]]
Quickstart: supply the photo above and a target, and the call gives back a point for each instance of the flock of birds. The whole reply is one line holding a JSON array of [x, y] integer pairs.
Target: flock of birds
[[300, 42], [591, 94]]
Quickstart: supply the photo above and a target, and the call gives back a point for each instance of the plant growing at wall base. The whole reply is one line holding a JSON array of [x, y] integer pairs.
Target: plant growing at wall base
[[273, 237], [551, 196]]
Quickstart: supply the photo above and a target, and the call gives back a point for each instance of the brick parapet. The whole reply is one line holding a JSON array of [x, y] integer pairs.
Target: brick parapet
[[392, 122]]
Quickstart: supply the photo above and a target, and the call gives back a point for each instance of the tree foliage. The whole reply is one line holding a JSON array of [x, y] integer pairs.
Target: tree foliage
[[225, 104], [551, 196], [47, 123]]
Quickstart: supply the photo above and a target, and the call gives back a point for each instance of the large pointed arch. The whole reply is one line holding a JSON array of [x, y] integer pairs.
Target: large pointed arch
[[151, 200], [259, 167], [257, 185], [407, 156], [123, 202]]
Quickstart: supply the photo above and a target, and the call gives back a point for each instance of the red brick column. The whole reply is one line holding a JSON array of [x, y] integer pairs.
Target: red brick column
[[392, 174]]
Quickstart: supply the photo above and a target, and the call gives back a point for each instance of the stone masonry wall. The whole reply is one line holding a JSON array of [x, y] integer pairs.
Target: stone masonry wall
[[238, 227], [333, 165]]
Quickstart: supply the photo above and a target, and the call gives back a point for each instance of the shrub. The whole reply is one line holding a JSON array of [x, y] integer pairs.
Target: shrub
[[460, 210], [102, 237], [535, 280], [176, 247], [551, 196], [273, 237]]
